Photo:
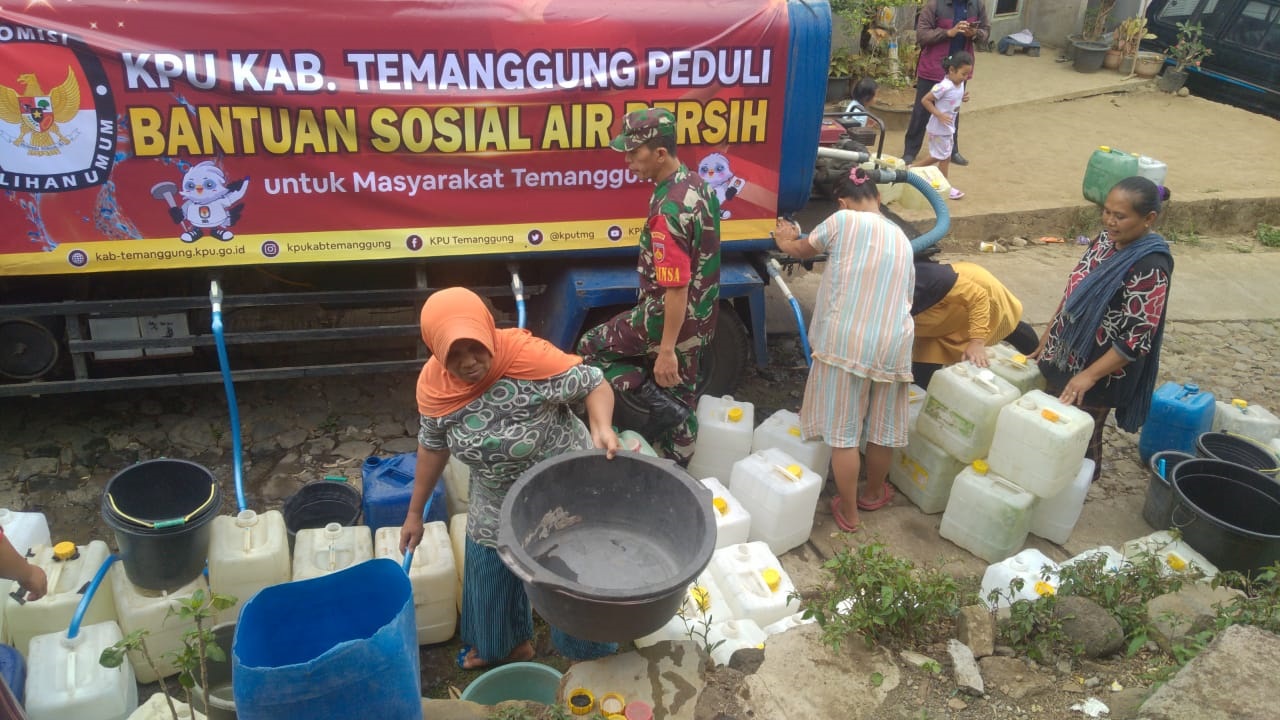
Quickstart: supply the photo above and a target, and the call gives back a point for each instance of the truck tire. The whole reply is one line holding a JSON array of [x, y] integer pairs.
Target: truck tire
[[723, 366]]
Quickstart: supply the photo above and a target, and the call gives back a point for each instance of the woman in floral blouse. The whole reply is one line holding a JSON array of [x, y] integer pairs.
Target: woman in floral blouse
[[500, 401], [1102, 350]]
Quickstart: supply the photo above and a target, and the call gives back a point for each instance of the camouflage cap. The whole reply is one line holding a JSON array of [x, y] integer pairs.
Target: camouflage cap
[[641, 126]]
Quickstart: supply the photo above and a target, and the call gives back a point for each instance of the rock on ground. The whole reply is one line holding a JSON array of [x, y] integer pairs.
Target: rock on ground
[[1176, 615], [965, 668], [1089, 625], [1234, 678]]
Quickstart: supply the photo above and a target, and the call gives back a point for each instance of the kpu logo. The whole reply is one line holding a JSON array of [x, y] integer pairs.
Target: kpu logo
[[57, 125]]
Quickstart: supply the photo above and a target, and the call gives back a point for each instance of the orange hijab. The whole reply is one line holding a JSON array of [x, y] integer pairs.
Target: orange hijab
[[457, 314]]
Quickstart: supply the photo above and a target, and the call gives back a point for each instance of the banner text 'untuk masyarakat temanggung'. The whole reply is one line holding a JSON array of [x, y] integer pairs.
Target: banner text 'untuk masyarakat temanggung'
[[144, 136]]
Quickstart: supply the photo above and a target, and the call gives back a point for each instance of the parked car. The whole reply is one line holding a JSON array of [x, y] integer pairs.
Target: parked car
[[1244, 36]]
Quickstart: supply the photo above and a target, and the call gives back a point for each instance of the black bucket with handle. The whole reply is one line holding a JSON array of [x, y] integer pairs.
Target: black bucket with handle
[[1238, 449], [1158, 508], [1228, 513], [162, 513]]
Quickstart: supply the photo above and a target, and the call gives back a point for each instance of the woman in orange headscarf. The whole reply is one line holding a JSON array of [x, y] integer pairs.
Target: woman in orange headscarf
[[498, 400]]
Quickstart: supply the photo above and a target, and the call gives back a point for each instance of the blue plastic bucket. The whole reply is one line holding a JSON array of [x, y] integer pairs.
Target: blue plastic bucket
[[331, 648], [516, 681]]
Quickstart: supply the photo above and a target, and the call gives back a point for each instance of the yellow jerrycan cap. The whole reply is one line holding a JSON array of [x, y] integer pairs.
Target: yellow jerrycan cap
[[772, 578], [720, 504], [794, 431], [581, 701], [981, 467], [734, 414], [65, 550]]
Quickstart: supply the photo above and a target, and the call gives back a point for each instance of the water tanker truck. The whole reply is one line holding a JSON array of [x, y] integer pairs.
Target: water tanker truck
[[330, 164]]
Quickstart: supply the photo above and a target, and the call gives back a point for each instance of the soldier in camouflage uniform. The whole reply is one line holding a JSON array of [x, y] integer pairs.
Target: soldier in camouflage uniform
[[679, 268]]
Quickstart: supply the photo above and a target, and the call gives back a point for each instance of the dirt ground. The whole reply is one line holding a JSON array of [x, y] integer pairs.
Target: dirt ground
[[56, 454]]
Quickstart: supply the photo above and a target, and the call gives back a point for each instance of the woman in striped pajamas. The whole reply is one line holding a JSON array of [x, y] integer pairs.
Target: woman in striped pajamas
[[500, 401], [861, 335]]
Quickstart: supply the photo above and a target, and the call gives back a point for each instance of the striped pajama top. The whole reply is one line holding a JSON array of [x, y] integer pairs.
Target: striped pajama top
[[862, 316]]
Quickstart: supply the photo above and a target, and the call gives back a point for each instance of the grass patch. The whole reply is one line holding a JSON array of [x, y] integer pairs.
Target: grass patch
[[1268, 235]]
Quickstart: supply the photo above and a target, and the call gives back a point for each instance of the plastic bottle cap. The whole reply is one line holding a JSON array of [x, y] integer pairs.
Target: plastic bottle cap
[[1237, 402], [611, 704], [701, 597], [581, 701], [720, 504], [734, 414], [332, 530], [1049, 415], [981, 467], [65, 550], [638, 710], [1191, 388], [772, 578], [246, 518], [1018, 359], [794, 431], [1104, 148]]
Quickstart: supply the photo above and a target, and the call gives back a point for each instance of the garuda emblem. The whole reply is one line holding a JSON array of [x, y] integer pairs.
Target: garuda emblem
[[37, 113]]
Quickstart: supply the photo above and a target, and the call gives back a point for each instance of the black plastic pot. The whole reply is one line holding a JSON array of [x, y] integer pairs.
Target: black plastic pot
[[319, 503], [1228, 513], [1158, 508], [1237, 449], [1089, 55], [173, 495], [606, 548], [1172, 80], [219, 675]]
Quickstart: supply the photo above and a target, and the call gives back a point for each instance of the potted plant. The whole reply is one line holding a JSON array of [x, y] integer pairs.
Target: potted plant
[[840, 74], [1129, 35], [1091, 51], [1187, 52], [199, 646]]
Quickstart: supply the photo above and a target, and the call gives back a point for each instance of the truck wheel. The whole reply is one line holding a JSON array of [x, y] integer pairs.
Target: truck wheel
[[723, 365]]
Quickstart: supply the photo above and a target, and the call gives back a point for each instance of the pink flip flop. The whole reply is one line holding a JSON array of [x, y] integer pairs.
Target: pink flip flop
[[885, 499], [955, 194], [841, 523]]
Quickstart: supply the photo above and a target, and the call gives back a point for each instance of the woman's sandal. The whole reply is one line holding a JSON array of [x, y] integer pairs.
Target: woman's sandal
[[885, 499], [841, 523]]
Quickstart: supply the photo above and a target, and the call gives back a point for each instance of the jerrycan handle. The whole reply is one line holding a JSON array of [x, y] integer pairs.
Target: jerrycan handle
[[794, 476], [984, 380], [1006, 486]]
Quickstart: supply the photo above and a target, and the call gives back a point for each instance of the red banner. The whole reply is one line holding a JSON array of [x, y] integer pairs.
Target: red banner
[[180, 134]]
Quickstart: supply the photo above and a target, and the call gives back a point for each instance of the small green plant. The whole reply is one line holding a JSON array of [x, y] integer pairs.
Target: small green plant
[[1268, 235], [933, 667], [699, 632], [883, 598], [114, 656], [198, 645], [1186, 236], [1259, 601], [1032, 626], [1124, 593], [877, 679], [1188, 50]]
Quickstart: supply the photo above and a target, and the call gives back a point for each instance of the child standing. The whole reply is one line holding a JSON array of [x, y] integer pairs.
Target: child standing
[[862, 334], [943, 102]]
